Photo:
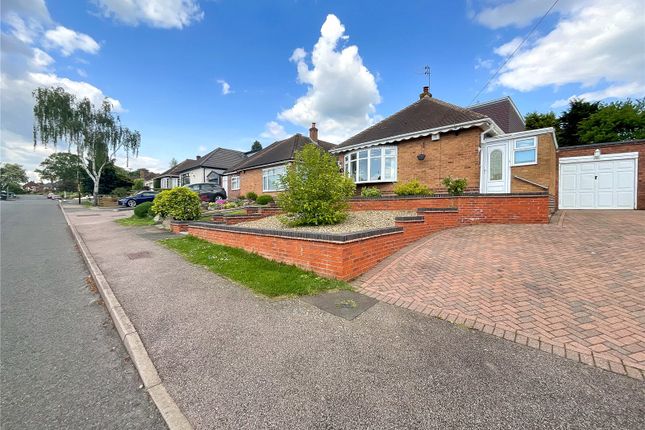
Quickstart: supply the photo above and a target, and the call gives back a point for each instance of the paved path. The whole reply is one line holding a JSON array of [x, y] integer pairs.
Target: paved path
[[579, 284], [63, 364], [233, 360]]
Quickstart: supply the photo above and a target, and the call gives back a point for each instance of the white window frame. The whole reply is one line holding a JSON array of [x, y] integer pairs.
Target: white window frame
[[272, 171], [525, 149], [235, 183], [181, 178], [347, 161]]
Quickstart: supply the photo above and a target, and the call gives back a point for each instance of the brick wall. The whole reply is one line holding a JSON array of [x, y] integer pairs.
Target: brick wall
[[545, 172], [638, 146], [475, 209]]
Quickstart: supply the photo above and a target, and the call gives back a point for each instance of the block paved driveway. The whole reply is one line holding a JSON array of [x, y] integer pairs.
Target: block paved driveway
[[579, 282]]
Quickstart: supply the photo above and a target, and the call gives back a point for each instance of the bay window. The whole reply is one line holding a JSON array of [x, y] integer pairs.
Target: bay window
[[372, 164], [271, 178]]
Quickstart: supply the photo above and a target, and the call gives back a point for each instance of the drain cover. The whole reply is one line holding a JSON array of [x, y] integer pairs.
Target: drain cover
[[344, 304], [138, 255]]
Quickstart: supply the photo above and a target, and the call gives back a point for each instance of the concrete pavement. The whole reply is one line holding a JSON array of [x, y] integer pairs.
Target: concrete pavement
[[231, 359], [63, 364]]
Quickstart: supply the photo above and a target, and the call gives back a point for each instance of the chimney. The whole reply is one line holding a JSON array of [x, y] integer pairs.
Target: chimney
[[142, 174], [426, 93], [198, 157], [313, 132]]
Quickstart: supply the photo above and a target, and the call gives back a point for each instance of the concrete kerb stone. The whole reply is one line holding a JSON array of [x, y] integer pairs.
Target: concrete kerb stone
[[609, 364], [168, 408]]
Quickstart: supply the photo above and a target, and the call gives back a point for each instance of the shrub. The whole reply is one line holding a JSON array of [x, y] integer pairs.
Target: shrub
[[264, 199], [230, 205], [142, 210], [180, 203], [412, 188], [316, 193], [138, 184], [455, 186], [370, 192], [251, 195], [121, 192]]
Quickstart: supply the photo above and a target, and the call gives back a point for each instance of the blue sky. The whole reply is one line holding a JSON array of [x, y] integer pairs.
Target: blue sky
[[343, 64]]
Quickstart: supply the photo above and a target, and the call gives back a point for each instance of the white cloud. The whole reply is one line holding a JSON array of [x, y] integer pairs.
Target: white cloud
[[342, 92], [156, 13], [519, 13], [507, 49], [594, 43], [226, 87], [202, 148], [633, 89], [274, 130], [79, 88], [142, 162], [41, 59], [68, 41]]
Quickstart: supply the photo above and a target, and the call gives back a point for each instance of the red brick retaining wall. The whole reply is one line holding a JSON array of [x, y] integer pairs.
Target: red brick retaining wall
[[473, 209]]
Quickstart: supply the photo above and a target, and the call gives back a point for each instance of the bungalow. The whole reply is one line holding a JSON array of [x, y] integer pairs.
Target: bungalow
[[260, 173], [432, 139], [208, 168]]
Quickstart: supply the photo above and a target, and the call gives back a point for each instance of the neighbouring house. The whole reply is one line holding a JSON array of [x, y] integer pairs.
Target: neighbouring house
[[432, 139], [261, 172], [34, 187], [208, 168]]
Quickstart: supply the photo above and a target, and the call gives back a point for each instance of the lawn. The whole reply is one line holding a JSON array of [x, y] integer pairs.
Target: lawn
[[135, 221], [264, 276]]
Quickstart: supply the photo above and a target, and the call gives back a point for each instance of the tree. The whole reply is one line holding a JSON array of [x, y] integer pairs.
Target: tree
[[570, 119], [535, 120], [316, 191], [95, 133], [12, 176], [138, 184], [112, 177], [256, 146], [63, 167], [173, 162], [614, 122]]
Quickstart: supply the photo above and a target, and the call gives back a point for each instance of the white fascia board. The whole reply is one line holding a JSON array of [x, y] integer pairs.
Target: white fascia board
[[527, 133], [601, 157], [413, 135]]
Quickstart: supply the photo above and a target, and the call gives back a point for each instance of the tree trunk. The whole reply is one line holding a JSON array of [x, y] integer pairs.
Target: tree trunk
[[95, 193]]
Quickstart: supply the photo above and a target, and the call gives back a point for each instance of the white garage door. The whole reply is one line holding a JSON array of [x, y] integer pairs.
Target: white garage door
[[606, 182]]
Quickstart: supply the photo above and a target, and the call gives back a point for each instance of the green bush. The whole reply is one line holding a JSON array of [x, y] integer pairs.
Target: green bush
[[142, 210], [370, 192], [251, 195], [264, 199], [121, 192], [316, 193], [412, 188], [138, 184], [455, 186], [180, 203]]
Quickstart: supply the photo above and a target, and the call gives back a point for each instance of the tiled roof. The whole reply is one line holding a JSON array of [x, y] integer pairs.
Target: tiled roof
[[219, 158], [503, 112], [282, 150], [424, 114]]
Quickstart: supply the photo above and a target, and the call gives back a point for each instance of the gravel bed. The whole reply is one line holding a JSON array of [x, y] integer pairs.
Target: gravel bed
[[356, 221]]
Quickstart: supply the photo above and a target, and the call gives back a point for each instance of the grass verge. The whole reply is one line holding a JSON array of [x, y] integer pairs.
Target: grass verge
[[262, 275], [135, 221]]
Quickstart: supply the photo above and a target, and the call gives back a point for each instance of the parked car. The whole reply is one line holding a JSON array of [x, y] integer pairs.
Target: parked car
[[138, 198], [208, 192]]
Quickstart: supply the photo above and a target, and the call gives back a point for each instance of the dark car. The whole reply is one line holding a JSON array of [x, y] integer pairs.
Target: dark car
[[138, 198], [208, 192]]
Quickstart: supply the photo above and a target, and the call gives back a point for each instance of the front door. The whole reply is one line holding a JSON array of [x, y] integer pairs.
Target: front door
[[495, 169]]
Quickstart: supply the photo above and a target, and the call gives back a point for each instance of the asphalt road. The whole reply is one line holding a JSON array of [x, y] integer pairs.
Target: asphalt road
[[62, 363]]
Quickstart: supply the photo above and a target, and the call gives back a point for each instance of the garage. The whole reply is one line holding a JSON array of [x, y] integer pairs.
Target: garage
[[607, 181]]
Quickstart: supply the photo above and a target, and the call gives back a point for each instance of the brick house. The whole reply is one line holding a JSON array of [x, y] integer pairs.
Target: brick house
[[207, 168], [261, 171], [431, 139]]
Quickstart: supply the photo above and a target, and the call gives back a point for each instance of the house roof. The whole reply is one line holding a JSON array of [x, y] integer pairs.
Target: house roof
[[504, 112], [282, 150], [424, 114], [219, 158]]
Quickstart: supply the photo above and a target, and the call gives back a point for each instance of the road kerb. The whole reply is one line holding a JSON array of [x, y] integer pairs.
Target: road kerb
[[172, 415]]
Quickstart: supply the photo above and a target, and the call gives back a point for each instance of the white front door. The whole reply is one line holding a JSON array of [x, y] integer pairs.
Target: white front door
[[496, 169], [588, 183], [225, 183]]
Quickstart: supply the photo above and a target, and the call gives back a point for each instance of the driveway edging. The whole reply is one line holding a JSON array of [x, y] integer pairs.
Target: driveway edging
[[172, 415], [608, 363]]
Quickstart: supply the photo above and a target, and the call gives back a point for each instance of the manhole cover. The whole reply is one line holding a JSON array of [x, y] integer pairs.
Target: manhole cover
[[344, 304], [138, 255]]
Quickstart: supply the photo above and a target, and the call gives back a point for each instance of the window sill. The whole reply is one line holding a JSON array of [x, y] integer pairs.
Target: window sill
[[524, 164]]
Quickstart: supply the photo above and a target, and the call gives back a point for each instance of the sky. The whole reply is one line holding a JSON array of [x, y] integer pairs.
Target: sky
[[193, 75]]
